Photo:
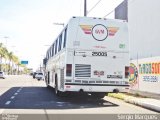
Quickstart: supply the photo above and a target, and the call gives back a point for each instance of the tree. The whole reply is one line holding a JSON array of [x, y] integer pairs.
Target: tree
[[13, 61], [16, 62], [3, 54], [5, 51], [10, 56]]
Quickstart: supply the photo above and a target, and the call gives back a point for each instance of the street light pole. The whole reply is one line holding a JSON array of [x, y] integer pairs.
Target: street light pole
[[6, 37], [59, 24], [85, 7]]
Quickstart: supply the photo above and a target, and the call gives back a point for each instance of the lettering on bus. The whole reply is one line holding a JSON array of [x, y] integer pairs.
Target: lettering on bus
[[115, 76], [99, 53], [99, 46], [99, 32]]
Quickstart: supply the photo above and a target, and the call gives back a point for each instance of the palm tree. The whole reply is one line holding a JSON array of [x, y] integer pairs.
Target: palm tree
[[10, 56], [5, 51], [3, 54], [16, 62], [13, 60]]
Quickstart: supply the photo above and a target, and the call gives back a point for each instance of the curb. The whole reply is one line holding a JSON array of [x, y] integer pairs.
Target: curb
[[145, 102], [148, 103]]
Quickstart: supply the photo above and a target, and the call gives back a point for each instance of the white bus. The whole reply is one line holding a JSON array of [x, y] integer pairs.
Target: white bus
[[90, 55]]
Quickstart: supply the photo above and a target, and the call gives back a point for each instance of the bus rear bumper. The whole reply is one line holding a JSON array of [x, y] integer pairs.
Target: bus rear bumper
[[95, 88]]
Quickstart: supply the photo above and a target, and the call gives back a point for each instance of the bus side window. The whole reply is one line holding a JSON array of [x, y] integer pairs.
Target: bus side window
[[50, 52], [56, 46], [47, 55], [53, 50], [65, 37], [60, 42]]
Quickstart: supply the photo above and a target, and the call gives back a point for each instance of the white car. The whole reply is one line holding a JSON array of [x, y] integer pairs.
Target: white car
[[39, 76], [2, 75]]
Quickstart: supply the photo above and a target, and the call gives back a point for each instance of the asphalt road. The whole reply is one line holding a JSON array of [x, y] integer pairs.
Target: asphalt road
[[22, 94]]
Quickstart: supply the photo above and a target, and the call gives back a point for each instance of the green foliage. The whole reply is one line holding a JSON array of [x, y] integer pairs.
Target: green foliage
[[117, 95], [13, 59]]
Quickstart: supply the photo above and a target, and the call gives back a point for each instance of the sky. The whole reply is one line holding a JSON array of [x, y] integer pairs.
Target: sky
[[27, 26]]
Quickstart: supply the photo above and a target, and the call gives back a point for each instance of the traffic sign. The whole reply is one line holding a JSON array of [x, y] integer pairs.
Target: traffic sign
[[24, 62]]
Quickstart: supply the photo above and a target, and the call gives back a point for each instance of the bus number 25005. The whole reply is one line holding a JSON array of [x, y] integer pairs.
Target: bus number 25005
[[99, 53]]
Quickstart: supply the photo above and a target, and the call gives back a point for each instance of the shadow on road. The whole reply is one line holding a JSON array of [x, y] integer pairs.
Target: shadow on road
[[44, 98]]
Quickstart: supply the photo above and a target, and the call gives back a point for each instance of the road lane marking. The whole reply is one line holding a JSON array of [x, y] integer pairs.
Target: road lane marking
[[18, 90], [15, 93], [8, 102], [60, 105], [62, 102], [12, 97]]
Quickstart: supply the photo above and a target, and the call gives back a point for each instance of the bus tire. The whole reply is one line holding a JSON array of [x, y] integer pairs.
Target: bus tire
[[47, 86], [57, 92], [46, 81]]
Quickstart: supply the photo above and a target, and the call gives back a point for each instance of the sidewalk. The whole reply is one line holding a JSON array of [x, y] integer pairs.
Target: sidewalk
[[148, 103], [147, 94]]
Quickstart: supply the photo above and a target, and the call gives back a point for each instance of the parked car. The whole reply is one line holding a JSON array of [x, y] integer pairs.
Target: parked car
[[34, 74], [39, 76], [2, 75]]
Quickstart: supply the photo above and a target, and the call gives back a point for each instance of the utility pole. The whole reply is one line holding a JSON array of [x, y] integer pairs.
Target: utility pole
[[85, 7], [6, 37]]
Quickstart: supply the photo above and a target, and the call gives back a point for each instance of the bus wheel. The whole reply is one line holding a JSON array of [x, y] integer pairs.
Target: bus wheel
[[47, 85], [46, 81], [57, 92]]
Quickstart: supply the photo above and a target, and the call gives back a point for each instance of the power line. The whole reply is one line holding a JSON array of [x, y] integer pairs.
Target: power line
[[94, 6]]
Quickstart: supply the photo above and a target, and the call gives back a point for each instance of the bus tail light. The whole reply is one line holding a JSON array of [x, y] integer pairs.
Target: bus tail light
[[69, 70], [126, 72]]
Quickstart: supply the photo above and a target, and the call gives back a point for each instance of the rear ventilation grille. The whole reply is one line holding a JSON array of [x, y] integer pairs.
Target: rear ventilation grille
[[82, 70]]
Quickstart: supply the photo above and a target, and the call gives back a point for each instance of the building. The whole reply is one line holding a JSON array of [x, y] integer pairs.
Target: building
[[144, 25], [143, 20], [121, 12]]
